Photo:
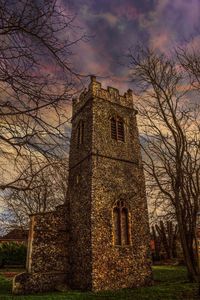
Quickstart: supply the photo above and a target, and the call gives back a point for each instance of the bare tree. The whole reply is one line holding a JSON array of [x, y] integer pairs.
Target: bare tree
[[41, 188], [37, 80], [170, 141], [189, 58]]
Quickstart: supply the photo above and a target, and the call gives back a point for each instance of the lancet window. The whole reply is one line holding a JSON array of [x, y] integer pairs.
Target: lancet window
[[121, 230]]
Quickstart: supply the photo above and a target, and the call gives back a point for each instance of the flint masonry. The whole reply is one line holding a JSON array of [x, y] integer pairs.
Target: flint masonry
[[99, 239]]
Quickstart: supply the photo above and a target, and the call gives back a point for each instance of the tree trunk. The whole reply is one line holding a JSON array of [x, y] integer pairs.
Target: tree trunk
[[193, 275]]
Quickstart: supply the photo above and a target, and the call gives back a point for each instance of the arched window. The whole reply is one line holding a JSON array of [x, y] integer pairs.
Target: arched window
[[117, 128], [80, 133], [121, 224]]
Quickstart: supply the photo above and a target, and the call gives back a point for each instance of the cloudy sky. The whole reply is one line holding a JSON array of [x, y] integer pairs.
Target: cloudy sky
[[117, 25], [113, 26]]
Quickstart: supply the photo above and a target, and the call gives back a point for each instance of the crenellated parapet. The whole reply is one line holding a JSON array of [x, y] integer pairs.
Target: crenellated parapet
[[110, 94]]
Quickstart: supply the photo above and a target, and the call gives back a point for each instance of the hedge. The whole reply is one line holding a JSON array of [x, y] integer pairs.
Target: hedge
[[12, 254]]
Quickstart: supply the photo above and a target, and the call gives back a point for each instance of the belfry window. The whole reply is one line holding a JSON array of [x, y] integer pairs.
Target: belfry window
[[121, 224], [117, 128], [80, 130]]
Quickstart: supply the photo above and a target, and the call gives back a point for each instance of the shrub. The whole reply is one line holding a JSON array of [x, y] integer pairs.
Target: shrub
[[12, 254]]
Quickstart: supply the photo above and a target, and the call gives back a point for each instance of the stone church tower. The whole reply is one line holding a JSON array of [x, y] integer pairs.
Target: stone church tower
[[99, 239]]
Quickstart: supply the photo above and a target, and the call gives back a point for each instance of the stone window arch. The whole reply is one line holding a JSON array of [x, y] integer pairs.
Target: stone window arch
[[121, 224], [80, 133], [117, 128]]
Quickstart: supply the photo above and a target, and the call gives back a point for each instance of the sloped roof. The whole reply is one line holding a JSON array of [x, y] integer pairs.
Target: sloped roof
[[16, 234]]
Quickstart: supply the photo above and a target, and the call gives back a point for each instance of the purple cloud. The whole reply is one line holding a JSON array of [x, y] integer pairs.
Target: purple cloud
[[116, 25]]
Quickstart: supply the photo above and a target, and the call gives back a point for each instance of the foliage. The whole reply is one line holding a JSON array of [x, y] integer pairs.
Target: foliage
[[170, 283], [12, 253]]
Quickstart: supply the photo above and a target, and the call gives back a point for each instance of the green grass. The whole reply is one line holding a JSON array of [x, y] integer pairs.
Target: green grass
[[170, 283]]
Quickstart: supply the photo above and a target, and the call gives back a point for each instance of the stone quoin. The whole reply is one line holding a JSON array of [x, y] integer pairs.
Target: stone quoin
[[99, 239]]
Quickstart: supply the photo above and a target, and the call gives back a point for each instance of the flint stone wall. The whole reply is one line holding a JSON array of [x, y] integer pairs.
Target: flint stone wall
[[115, 266], [79, 202], [107, 170], [47, 257], [117, 173]]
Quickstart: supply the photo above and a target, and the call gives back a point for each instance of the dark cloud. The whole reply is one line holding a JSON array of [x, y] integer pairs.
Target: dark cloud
[[116, 25]]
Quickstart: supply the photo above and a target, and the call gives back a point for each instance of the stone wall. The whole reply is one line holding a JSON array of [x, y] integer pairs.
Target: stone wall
[[115, 266], [107, 170], [117, 173], [80, 226], [79, 200], [47, 257]]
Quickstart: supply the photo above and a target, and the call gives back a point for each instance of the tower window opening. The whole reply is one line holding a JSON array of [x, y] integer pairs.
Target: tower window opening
[[121, 224], [113, 129], [80, 133], [117, 129]]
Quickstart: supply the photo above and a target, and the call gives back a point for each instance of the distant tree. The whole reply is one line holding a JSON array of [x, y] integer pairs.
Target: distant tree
[[165, 236]]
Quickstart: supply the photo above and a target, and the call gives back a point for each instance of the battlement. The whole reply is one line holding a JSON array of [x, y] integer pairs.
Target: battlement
[[110, 94]]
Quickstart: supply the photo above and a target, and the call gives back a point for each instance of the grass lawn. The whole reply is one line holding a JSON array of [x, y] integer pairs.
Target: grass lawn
[[170, 283]]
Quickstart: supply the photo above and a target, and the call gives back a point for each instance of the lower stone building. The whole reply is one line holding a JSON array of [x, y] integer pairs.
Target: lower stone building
[[99, 239]]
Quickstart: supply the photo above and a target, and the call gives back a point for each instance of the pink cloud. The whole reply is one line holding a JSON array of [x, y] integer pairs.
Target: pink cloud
[[162, 41]]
